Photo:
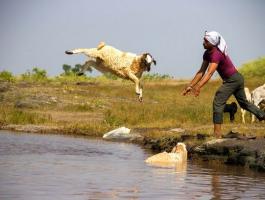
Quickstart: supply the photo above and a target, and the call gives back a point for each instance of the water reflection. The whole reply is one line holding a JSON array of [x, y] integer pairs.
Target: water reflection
[[57, 167]]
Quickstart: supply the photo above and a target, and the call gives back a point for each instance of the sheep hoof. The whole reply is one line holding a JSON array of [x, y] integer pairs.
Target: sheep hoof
[[140, 99], [69, 52]]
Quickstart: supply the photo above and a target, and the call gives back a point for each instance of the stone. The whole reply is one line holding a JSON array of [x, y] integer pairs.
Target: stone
[[121, 133], [178, 130]]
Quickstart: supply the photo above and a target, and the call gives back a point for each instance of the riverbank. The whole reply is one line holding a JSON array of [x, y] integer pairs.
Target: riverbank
[[233, 149], [94, 107]]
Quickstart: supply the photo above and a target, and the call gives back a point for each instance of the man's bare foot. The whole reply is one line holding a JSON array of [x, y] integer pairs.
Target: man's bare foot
[[217, 135]]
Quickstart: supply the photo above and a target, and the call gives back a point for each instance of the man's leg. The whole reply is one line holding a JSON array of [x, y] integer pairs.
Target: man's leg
[[219, 103], [217, 130]]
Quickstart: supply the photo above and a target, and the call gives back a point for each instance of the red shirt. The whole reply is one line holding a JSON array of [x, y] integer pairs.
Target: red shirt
[[225, 66]]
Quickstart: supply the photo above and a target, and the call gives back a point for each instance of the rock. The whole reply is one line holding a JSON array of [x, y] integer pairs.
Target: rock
[[201, 136], [178, 130], [210, 147], [239, 136], [30, 128], [35, 101], [121, 133], [27, 104]]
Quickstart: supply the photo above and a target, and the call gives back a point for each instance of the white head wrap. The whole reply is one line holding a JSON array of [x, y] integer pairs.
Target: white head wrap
[[217, 40]]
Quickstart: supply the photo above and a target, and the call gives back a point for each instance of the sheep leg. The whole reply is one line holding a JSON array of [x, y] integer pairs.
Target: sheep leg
[[141, 92], [92, 52], [243, 115], [87, 67], [138, 88], [256, 103]]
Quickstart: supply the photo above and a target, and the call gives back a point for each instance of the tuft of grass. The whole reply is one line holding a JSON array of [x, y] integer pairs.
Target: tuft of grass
[[15, 116], [87, 129]]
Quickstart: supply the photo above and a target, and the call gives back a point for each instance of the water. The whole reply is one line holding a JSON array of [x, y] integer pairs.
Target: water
[[34, 166]]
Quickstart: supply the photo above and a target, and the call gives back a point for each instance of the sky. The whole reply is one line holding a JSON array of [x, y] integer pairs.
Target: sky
[[36, 33]]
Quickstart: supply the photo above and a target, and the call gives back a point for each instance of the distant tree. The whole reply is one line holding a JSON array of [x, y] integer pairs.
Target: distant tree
[[39, 73], [77, 68], [66, 68], [35, 74]]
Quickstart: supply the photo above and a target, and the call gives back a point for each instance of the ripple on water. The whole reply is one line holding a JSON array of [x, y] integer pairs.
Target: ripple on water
[[56, 167]]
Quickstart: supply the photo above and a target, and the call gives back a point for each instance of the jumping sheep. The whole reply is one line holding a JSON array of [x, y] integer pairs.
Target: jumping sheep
[[125, 65]]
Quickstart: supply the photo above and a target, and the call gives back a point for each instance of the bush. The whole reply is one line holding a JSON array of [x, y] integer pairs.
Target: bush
[[69, 71], [254, 69], [6, 76], [110, 76], [36, 74], [156, 76]]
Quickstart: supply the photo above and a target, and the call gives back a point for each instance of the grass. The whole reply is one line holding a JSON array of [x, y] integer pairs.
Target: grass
[[92, 106], [93, 109], [10, 115]]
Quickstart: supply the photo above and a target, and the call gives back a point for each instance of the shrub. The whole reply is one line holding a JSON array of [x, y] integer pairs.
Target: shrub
[[254, 69], [36, 74], [156, 76], [6, 76]]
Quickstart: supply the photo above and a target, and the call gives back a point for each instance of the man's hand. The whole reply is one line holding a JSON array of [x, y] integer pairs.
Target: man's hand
[[196, 91], [187, 90]]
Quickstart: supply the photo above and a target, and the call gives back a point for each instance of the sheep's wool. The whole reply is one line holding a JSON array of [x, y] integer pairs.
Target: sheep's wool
[[112, 57]]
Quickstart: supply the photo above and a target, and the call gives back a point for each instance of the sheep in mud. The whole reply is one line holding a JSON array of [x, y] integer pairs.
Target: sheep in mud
[[125, 65]]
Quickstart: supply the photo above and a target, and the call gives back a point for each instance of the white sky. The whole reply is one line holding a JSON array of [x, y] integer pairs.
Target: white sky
[[35, 33]]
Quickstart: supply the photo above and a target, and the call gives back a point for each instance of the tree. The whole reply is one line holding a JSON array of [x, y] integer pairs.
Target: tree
[[66, 68], [39, 73], [77, 68]]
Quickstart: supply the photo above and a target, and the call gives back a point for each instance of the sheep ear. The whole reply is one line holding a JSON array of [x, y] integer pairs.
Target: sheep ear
[[100, 45]]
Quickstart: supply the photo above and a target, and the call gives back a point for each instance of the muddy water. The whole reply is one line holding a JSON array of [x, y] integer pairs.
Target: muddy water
[[39, 167]]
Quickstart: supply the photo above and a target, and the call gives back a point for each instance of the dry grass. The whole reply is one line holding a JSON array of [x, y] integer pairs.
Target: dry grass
[[96, 106]]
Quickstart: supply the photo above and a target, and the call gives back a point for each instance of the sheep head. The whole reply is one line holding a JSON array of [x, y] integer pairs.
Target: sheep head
[[146, 61]]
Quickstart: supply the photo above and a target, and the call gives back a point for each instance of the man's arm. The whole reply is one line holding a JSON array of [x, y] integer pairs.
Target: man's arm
[[212, 68], [198, 76]]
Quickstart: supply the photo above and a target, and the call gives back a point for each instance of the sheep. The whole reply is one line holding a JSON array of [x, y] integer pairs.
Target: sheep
[[243, 111], [125, 65], [178, 156], [258, 95]]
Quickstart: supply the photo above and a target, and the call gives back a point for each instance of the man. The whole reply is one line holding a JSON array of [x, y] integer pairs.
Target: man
[[215, 58]]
